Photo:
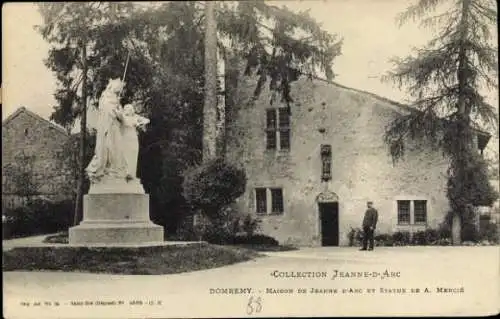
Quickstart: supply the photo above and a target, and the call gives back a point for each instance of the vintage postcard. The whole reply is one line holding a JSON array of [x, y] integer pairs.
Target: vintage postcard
[[250, 159]]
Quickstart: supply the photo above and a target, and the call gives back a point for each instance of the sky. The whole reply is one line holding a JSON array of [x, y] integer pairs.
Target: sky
[[368, 28]]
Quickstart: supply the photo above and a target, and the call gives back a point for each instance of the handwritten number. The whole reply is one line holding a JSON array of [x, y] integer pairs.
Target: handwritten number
[[254, 305]]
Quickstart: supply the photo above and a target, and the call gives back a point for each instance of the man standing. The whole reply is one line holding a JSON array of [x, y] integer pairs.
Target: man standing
[[369, 224]]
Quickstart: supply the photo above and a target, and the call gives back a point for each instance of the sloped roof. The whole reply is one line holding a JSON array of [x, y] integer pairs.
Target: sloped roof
[[400, 106], [24, 110]]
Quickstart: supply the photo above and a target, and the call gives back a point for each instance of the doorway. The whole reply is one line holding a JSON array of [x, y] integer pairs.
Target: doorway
[[329, 215]]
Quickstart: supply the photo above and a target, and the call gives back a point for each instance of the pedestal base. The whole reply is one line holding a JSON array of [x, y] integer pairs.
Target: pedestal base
[[115, 219], [119, 233]]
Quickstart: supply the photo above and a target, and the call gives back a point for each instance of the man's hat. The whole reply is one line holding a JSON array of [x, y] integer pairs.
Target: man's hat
[[369, 202]]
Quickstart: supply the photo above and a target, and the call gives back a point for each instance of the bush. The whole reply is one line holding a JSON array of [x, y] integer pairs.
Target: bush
[[250, 225], [227, 233], [383, 240], [355, 237], [470, 232], [247, 240], [473, 188], [212, 186], [257, 240], [444, 231], [401, 238], [425, 237], [489, 232], [39, 216]]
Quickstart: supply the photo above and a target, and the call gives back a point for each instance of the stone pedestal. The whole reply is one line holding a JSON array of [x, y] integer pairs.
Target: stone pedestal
[[112, 217]]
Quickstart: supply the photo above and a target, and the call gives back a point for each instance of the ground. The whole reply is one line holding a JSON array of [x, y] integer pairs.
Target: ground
[[471, 273]]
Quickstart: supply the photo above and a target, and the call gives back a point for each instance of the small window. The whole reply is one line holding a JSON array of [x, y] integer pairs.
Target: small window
[[271, 119], [276, 200], [284, 118], [403, 212], [269, 201], [271, 140], [420, 207], [261, 199], [284, 139], [277, 129], [26, 132]]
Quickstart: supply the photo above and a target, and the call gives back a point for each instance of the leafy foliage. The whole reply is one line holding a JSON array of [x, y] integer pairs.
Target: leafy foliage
[[72, 159], [444, 79], [445, 76], [39, 216], [278, 44], [213, 185], [401, 238], [474, 189], [165, 73]]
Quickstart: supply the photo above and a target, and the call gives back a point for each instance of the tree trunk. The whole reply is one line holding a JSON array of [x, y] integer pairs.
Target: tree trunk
[[221, 104], [83, 133], [210, 105], [463, 121], [456, 229]]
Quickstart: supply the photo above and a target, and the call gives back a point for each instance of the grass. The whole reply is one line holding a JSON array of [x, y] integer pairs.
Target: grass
[[62, 238], [156, 260]]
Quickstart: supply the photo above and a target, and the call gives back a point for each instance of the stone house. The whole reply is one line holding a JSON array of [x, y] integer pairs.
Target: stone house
[[311, 171], [34, 161]]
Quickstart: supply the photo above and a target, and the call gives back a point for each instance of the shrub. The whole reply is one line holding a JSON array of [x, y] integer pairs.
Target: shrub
[[419, 238], [227, 233], [250, 225], [355, 236], [39, 216], [431, 235], [212, 186], [444, 231], [383, 240], [489, 232], [473, 188], [213, 236], [258, 240], [401, 238], [469, 232]]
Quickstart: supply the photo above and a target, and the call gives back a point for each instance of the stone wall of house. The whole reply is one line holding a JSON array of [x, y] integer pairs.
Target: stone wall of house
[[353, 123], [34, 148]]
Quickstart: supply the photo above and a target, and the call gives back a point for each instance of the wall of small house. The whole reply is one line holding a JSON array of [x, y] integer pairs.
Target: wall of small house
[[50, 171], [362, 169]]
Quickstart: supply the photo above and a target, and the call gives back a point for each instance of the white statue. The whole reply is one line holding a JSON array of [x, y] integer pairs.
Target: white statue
[[117, 146], [131, 122]]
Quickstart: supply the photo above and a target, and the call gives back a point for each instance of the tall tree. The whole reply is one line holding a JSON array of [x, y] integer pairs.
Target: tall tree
[[167, 70], [75, 36], [210, 105], [278, 44], [445, 79]]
